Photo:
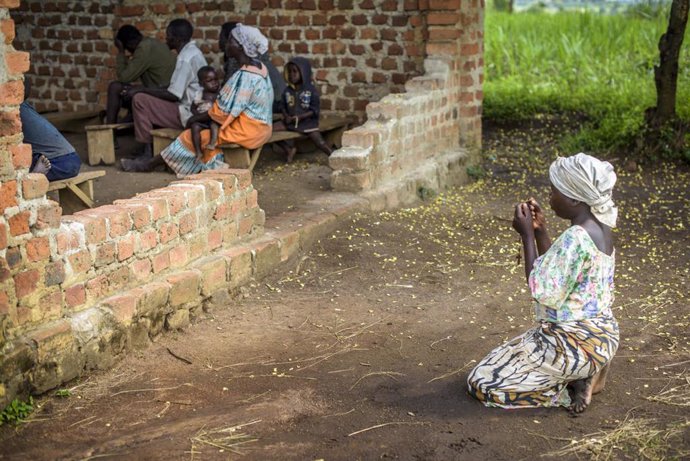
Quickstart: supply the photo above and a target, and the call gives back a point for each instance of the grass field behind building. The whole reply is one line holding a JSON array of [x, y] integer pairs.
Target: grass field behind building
[[597, 65]]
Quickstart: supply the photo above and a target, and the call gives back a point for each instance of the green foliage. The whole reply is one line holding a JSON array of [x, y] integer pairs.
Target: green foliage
[[63, 393], [600, 66], [17, 411], [476, 172]]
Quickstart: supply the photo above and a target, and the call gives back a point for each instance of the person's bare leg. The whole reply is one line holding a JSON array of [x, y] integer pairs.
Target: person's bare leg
[[581, 390], [600, 380], [114, 102], [317, 139], [213, 142], [196, 139]]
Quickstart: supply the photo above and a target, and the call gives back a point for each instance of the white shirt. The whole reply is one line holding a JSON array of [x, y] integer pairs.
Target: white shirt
[[184, 82]]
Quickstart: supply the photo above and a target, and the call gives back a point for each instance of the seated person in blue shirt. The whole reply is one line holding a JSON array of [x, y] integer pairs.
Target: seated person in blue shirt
[[52, 154]]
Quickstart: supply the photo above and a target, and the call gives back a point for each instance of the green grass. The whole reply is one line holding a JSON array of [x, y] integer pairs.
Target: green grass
[[599, 66]]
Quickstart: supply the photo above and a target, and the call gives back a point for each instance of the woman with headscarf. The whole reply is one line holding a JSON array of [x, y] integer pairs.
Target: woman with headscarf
[[243, 109], [564, 359]]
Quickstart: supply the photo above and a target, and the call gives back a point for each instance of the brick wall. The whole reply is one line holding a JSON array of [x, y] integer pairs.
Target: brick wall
[[75, 287], [361, 50], [425, 135]]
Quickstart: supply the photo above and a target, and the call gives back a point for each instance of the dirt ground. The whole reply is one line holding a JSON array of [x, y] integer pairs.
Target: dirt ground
[[361, 348]]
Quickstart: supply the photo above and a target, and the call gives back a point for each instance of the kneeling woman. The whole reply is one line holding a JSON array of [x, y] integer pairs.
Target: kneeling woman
[[243, 110], [564, 359]]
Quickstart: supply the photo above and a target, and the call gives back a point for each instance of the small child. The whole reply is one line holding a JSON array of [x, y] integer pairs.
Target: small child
[[208, 79], [300, 106]]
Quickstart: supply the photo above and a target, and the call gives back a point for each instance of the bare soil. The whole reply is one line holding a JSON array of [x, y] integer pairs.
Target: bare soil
[[361, 348]]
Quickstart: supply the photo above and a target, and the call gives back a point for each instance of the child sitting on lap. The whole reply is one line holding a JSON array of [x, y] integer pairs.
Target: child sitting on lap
[[300, 107], [208, 79]]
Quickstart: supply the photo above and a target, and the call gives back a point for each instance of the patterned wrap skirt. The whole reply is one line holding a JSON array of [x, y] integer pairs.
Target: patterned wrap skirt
[[534, 369]]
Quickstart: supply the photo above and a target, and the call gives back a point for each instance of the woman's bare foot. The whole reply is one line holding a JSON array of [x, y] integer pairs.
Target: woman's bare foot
[[211, 146], [42, 166], [291, 154], [580, 394]]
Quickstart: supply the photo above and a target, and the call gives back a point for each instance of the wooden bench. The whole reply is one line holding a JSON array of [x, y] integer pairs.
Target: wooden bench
[[100, 142], [72, 121], [77, 192], [236, 156]]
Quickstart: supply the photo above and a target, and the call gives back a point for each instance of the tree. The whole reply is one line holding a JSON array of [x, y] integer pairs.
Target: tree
[[661, 120]]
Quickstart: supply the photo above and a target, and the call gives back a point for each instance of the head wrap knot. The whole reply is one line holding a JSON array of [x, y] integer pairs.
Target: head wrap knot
[[251, 40], [589, 180]]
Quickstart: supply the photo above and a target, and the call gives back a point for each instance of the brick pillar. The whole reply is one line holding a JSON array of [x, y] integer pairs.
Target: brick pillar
[[26, 216], [456, 34]]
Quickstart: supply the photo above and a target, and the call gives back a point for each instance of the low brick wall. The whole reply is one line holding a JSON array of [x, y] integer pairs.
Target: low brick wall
[[61, 266]]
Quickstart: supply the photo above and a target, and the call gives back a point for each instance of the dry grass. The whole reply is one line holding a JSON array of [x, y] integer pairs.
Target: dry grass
[[676, 395], [223, 439], [638, 439]]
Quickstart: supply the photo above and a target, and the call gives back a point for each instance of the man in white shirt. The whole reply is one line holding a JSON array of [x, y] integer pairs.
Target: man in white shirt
[[171, 107]]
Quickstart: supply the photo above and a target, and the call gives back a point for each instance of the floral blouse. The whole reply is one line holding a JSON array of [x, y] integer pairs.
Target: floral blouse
[[573, 280]]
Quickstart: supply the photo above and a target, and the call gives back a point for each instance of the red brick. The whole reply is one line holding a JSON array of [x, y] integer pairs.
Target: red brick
[[168, 232], [94, 226], [17, 62], [97, 287], [214, 238], [75, 295], [10, 124], [3, 236], [141, 269], [9, 3], [444, 4], [184, 287], [123, 307], [161, 261], [12, 93], [26, 282], [434, 19], [4, 302], [80, 261], [179, 255], [105, 253], [147, 240], [8, 195], [38, 249], [21, 155], [54, 274], [132, 10], [19, 223], [119, 278], [125, 247], [7, 28], [34, 185], [48, 216], [188, 222]]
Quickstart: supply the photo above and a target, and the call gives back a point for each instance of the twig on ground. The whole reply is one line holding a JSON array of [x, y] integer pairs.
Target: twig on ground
[[383, 425], [451, 373], [442, 339], [129, 391], [253, 397], [178, 357], [339, 414], [338, 272], [389, 374]]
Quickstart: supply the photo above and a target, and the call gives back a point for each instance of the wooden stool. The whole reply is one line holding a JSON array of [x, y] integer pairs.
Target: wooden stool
[[99, 139], [76, 193]]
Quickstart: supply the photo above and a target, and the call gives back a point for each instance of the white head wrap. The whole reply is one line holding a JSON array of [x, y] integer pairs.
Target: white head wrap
[[251, 39], [589, 180]]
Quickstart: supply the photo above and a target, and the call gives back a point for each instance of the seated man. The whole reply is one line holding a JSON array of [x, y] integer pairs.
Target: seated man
[[171, 107], [138, 58], [52, 154]]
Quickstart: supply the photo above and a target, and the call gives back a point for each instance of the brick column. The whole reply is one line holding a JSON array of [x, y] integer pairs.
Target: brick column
[[26, 216]]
